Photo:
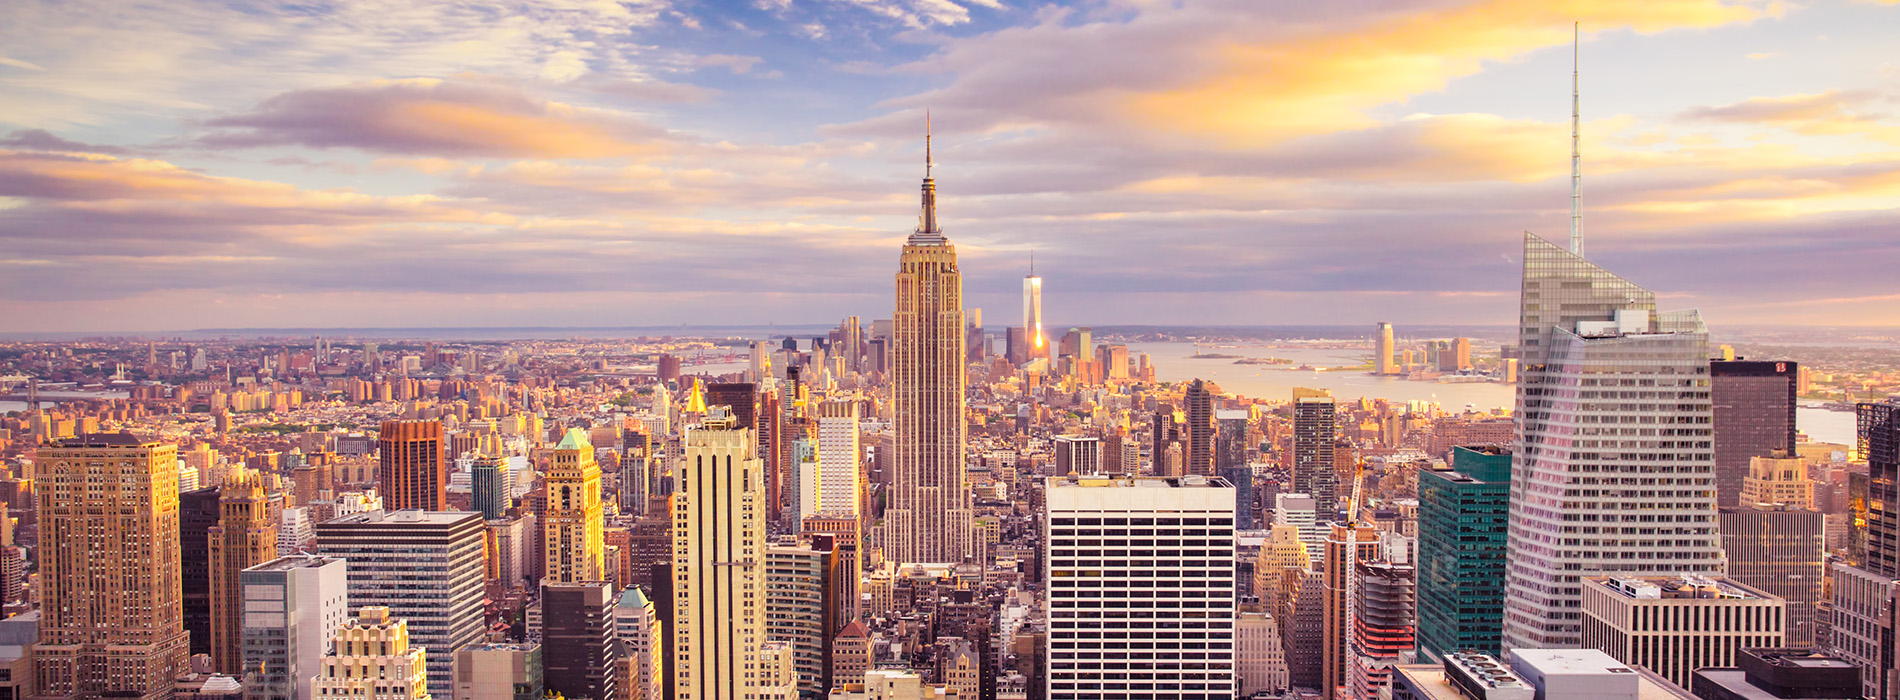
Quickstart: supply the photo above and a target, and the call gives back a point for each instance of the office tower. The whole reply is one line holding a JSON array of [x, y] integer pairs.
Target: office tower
[[1674, 626], [740, 397], [1078, 454], [929, 515], [292, 607], [1879, 430], [412, 471], [109, 574], [1035, 340], [1303, 625], [637, 624], [1109, 596], [424, 566], [977, 348], [1259, 661], [718, 565], [1246, 509], [1314, 435], [802, 481], [1459, 359], [1297, 510], [1346, 546], [575, 549], [578, 642], [1383, 350], [246, 536], [197, 514], [1864, 597], [1780, 550], [1200, 429], [1587, 337], [796, 609], [1384, 631], [1230, 439], [315, 476], [839, 483], [667, 368], [372, 658], [842, 537], [1463, 522], [492, 485], [850, 655], [1754, 404], [294, 530], [499, 672]]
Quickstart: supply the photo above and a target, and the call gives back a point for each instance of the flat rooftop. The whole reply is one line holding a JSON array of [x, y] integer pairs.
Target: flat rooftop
[[1676, 588], [399, 517], [1139, 482], [306, 561]]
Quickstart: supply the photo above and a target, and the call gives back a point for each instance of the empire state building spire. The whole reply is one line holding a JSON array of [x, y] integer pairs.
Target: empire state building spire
[[927, 232]]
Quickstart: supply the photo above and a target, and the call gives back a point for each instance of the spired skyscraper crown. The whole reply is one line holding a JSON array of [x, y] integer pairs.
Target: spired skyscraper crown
[[930, 517]]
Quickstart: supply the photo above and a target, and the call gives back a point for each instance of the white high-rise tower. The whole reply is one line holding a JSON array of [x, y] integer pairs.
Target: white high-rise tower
[[1614, 470], [1032, 313]]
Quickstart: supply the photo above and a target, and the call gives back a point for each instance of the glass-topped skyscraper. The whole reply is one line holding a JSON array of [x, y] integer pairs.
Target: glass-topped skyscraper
[[1463, 521], [1614, 467]]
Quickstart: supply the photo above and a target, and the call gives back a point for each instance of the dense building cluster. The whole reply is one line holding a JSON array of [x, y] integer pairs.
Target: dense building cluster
[[902, 509]]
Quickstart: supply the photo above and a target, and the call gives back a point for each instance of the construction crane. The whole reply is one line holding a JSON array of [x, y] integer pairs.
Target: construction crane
[[1358, 489]]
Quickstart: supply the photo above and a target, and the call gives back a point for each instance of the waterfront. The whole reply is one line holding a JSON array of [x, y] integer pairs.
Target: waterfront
[[1174, 362]]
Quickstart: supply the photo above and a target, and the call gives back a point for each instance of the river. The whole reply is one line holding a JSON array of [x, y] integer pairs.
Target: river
[[1174, 362]]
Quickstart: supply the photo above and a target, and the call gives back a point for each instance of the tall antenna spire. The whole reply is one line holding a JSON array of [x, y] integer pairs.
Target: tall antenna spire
[[1576, 148], [1032, 262], [927, 231]]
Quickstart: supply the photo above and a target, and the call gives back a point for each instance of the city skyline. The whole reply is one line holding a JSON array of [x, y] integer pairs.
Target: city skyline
[[1263, 166]]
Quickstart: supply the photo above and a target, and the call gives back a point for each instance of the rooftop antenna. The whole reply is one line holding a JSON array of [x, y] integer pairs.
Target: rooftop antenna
[[1032, 262], [1576, 148], [927, 161]]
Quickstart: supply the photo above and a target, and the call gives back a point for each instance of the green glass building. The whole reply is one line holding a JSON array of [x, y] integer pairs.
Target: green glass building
[[1463, 520]]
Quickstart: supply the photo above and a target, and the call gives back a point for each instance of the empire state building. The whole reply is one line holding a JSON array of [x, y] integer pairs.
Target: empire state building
[[929, 519]]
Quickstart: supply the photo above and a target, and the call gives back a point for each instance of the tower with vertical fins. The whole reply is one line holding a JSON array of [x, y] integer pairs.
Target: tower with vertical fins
[[929, 519]]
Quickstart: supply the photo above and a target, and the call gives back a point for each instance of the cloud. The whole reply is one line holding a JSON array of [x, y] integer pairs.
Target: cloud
[[42, 140], [142, 61], [1831, 113], [434, 117], [1244, 74], [739, 65], [1265, 91]]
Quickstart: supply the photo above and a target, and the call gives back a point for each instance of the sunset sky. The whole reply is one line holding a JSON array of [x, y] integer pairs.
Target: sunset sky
[[180, 165]]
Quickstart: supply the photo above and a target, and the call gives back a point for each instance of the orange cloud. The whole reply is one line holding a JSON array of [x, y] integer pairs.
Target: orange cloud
[[1831, 113], [130, 185], [1269, 92], [438, 118]]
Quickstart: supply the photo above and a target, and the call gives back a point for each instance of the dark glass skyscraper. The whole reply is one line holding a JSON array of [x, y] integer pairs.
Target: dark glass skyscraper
[[1200, 429], [197, 514], [488, 479], [1314, 433], [1880, 444], [579, 652], [1463, 520], [741, 397], [1754, 416]]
